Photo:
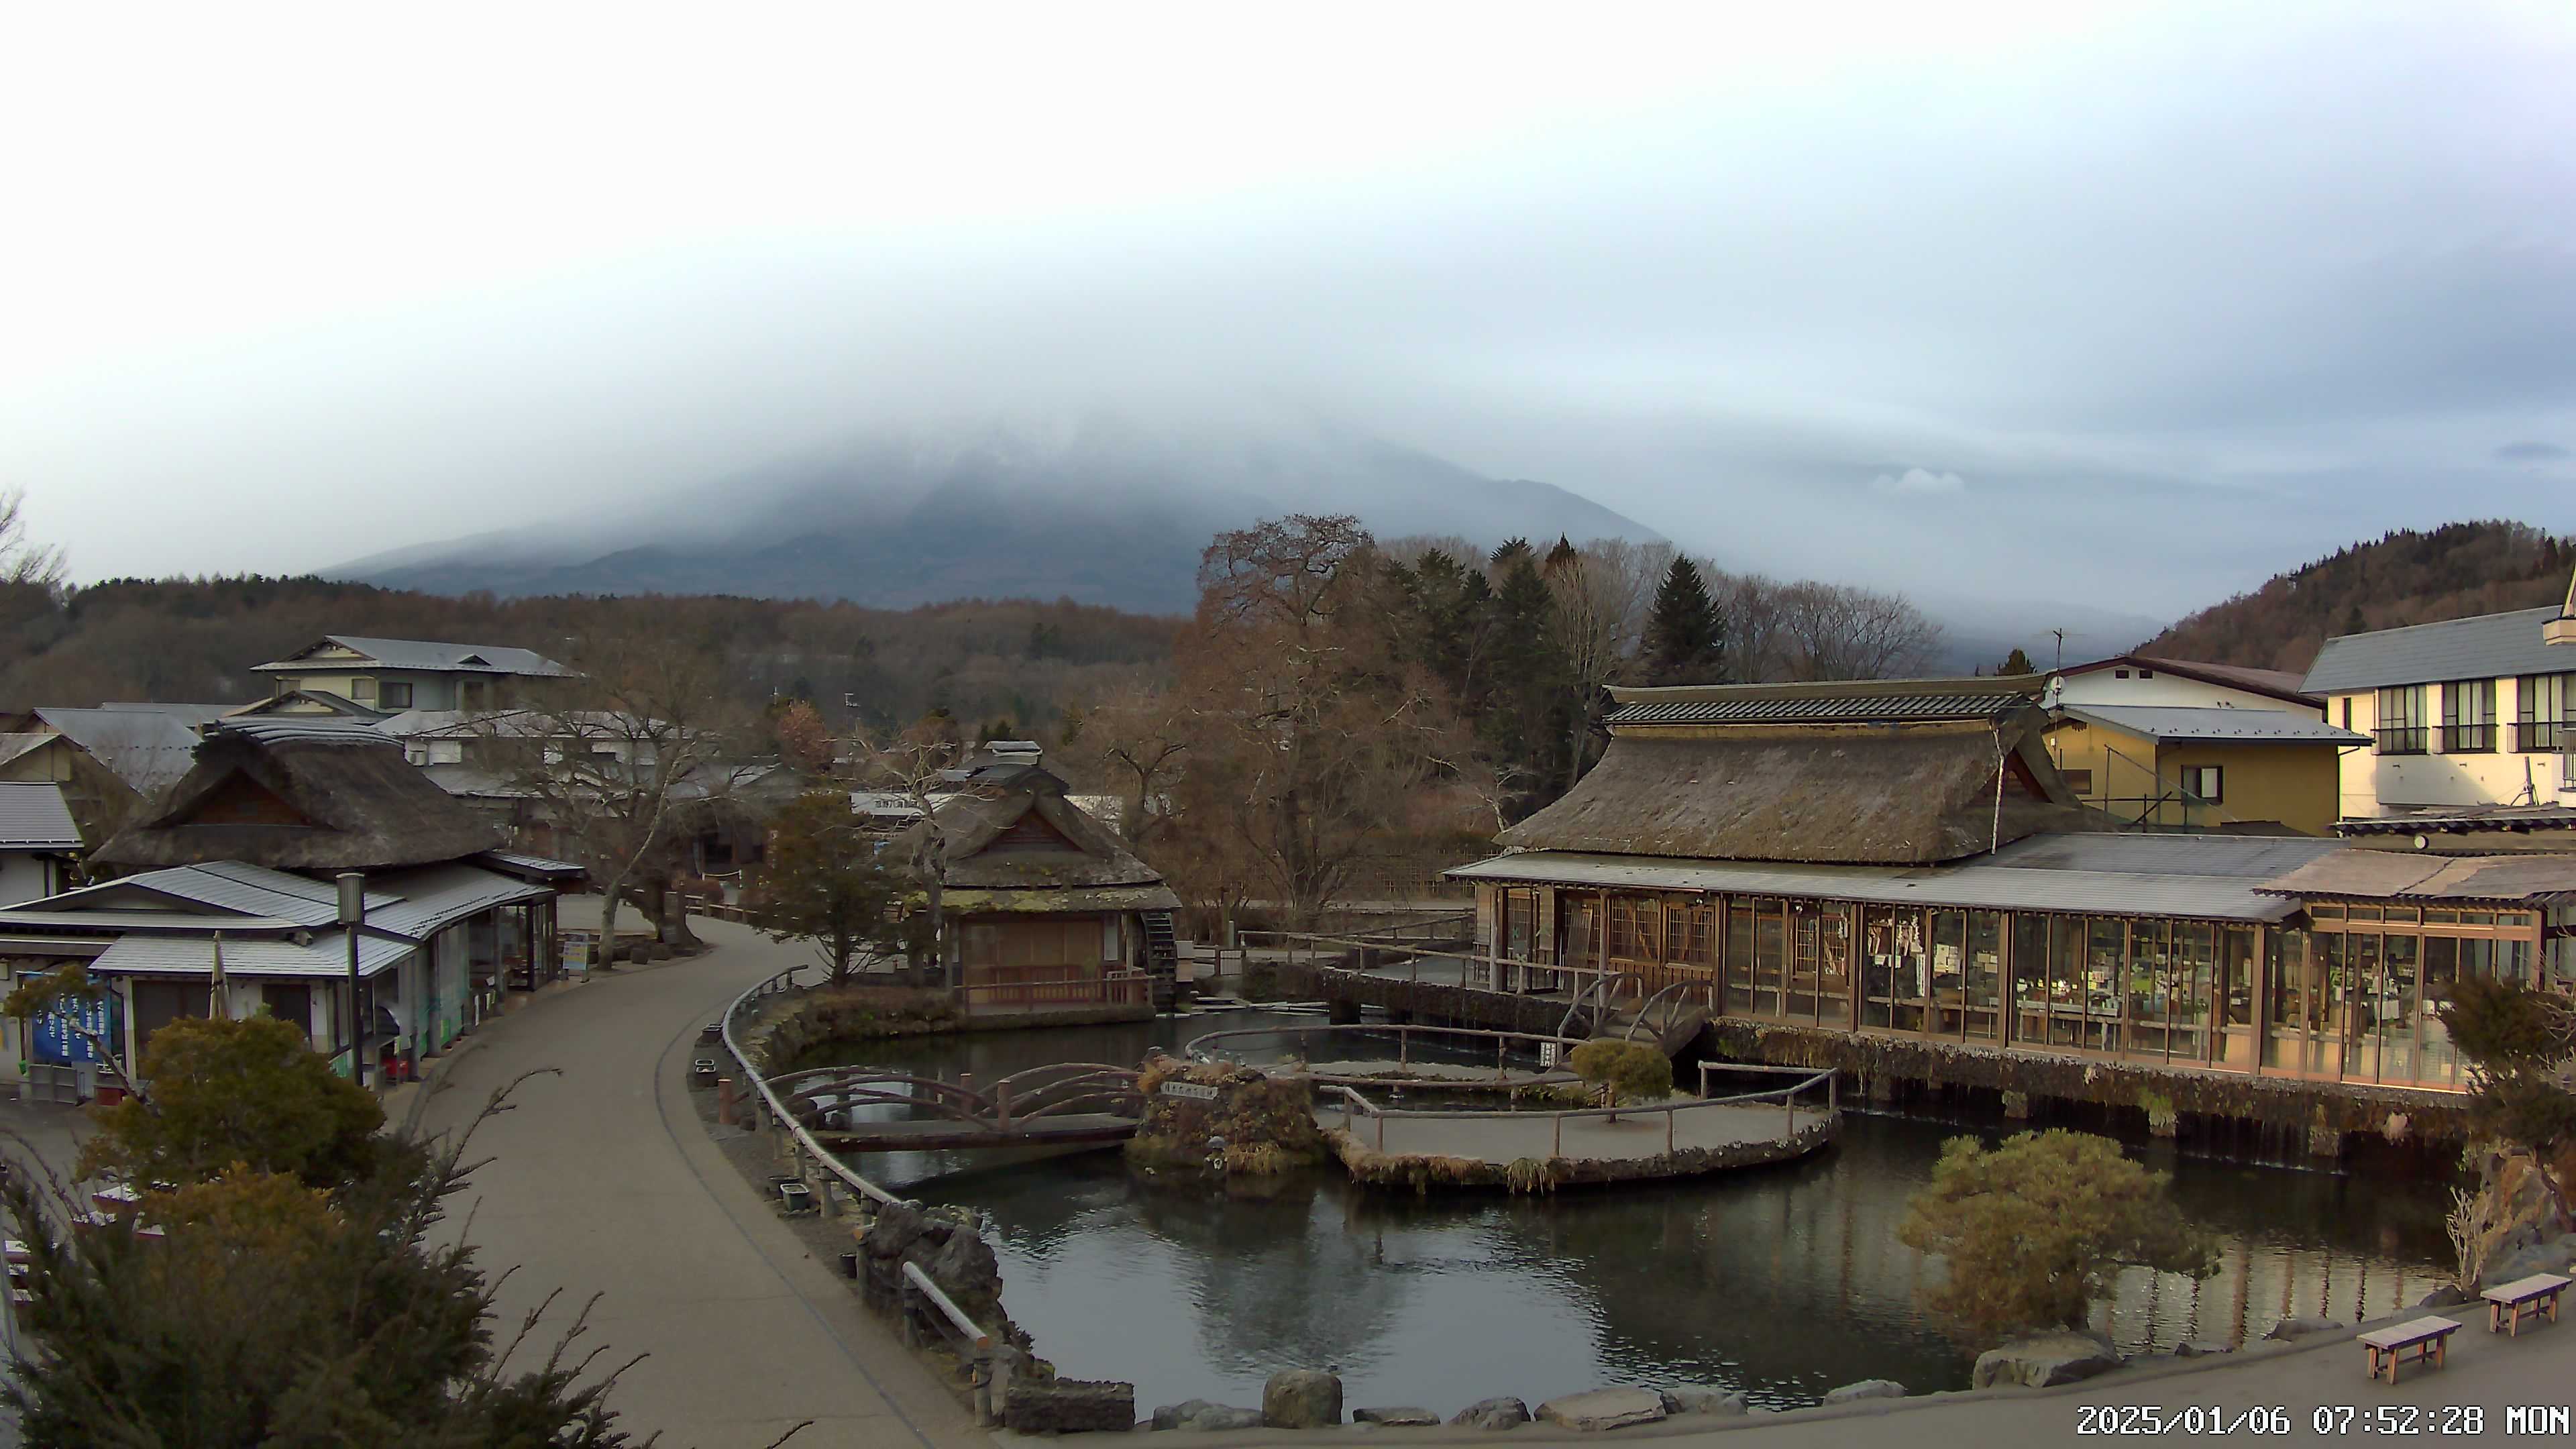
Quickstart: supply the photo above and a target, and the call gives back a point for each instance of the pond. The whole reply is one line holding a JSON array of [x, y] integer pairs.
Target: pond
[[1782, 1282]]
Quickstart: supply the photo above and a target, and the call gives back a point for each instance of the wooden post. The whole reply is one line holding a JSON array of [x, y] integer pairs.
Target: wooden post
[[1002, 1106], [724, 1101], [1669, 1115], [1381, 1130]]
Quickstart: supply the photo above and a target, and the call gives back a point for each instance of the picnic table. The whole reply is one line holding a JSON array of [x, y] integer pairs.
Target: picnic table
[[2423, 1338], [2537, 1294]]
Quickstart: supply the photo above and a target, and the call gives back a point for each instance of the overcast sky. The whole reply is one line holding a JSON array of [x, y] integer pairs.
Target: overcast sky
[[2142, 302]]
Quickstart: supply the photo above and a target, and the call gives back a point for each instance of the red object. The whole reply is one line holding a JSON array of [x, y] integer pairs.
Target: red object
[[108, 1095]]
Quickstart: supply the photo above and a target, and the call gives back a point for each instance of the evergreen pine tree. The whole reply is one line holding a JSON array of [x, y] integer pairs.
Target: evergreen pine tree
[[1684, 637], [2016, 663]]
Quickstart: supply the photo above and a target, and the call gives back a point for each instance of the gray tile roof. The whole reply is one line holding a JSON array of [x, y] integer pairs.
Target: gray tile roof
[[34, 817], [436, 897], [327, 956], [2490, 646], [147, 749], [426, 654], [2159, 881], [2186, 722], [272, 728], [2533, 879], [1855, 709]]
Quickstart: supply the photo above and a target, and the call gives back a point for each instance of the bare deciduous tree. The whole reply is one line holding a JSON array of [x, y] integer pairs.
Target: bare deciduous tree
[[22, 560], [613, 755]]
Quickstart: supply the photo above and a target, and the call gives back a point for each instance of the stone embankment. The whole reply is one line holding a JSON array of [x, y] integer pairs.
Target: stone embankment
[[1223, 1117]]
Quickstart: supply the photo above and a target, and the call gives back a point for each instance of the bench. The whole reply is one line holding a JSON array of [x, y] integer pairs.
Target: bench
[[2420, 1339], [2537, 1294]]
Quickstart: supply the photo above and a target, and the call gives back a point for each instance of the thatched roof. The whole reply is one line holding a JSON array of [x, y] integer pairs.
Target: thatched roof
[[1847, 795], [1025, 835], [305, 796]]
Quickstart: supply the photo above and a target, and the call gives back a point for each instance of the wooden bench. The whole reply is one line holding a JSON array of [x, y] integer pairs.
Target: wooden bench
[[2389, 1347], [2537, 1294]]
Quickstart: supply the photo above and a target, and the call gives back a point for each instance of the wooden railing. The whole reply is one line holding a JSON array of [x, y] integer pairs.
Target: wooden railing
[[1355, 1105], [805, 1148], [1204, 1048]]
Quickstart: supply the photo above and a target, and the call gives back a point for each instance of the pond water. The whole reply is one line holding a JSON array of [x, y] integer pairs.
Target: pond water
[[1782, 1282]]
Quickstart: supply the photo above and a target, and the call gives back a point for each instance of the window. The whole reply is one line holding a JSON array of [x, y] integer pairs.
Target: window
[[2402, 729], [362, 689], [287, 684], [2080, 781], [2468, 716], [394, 696], [2541, 716], [2206, 782], [2347, 711], [2119, 674], [2146, 674]]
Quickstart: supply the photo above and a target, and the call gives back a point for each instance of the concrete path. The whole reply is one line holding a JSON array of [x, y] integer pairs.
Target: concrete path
[[603, 1181]]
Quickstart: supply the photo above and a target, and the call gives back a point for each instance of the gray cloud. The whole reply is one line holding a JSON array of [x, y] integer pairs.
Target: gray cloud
[[2530, 452], [2191, 298]]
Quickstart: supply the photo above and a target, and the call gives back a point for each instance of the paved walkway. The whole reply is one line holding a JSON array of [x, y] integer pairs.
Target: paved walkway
[[603, 1181]]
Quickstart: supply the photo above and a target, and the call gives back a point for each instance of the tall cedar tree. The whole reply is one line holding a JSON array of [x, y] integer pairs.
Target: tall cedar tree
[[2014, 663], [827, 879], [1531, 705], [2036, 1229], [1685, 641]]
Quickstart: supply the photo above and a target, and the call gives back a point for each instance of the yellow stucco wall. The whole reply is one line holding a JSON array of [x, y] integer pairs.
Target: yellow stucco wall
[[2294, 784]]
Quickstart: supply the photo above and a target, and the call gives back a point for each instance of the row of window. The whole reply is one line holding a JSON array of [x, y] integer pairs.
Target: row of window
[[2543, 720], [2198, 784]]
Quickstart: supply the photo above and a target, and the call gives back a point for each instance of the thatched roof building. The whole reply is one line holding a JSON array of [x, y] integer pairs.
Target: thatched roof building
[[300, 796], [1872, 773], [1017, 844]]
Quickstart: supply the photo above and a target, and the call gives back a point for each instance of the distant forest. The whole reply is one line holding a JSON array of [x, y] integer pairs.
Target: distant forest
[[2405, 577], [989, 664]]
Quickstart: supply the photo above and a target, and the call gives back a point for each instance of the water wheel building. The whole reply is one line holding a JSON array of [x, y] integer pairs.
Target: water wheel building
[[1894, 877]]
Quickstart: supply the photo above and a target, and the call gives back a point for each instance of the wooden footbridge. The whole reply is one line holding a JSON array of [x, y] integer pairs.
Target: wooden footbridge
[[1067, 1104]]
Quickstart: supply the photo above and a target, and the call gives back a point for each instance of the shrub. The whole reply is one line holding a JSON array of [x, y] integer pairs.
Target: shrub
[[2035, 1229], [1623, 1071]]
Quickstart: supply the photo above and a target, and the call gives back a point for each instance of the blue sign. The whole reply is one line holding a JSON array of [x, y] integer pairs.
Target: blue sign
[[54, 1034]]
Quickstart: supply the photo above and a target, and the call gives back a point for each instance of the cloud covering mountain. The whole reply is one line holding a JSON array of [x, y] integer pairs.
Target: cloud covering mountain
[[1099, 509]]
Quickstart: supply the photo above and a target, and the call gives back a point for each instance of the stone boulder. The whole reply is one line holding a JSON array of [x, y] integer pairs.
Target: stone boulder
[[1404, 1418], [1865, 1389], [1694, 1399], [1070, 1406], [2290, 1328], [2552, 1255], [1499, 1413], [1201, 1416], [1604, 1409], [1301, 1399], [2202, 1348], [2446, 1296], [2037, 1363]]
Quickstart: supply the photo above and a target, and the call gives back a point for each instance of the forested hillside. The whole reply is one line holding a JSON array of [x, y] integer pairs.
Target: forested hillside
[[1016, 661], [2405, 577]]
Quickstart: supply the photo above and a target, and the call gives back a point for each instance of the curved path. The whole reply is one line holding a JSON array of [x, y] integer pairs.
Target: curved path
[[603, 1181]]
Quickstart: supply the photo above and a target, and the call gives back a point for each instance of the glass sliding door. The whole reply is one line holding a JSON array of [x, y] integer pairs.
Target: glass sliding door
[[1946, 1016], [2285, 1026], [1985, 976], [2030, 978], [2397, 1005], [2232, 997], [1739, 959], [1770, 957], [1834, 964]]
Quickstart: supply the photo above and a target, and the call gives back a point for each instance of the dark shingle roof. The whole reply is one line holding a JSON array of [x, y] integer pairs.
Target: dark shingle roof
[[423, 654], [33, 817], [2489, 646], [1854, 709]]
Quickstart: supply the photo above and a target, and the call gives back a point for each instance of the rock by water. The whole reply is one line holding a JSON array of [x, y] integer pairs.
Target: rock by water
[[1505, 1412], [2043, 1360], [2290, 1328], [1865, 1389], [1404, 1418], [1694, 1399], [1604, 1409], [1201, 1416], [1301, 1399]]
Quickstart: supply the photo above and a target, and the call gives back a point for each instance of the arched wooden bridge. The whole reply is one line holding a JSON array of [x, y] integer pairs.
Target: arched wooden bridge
[[1068, 1103]]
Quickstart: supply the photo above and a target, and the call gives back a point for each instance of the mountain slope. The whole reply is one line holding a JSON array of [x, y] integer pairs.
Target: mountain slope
[[2405, 577], [1103, 512]]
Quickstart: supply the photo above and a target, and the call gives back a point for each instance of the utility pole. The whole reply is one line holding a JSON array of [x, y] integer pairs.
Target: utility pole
[[353, 915]]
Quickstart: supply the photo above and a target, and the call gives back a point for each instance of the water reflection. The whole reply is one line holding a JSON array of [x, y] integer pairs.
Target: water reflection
[[1783, 1282]]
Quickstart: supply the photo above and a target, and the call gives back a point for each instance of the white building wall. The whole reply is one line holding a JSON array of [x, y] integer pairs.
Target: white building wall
[[24, 876], [2100, 686], [2374, 784]]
